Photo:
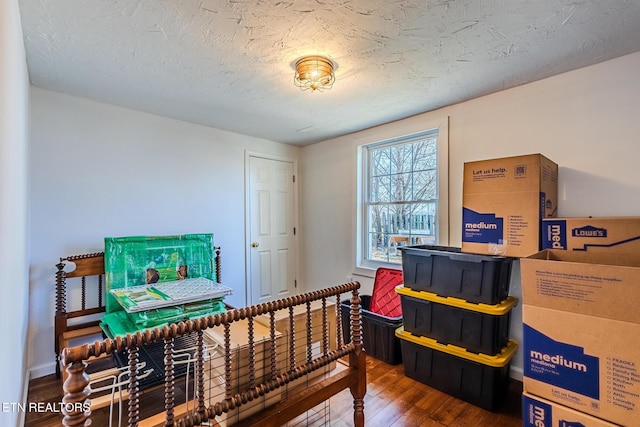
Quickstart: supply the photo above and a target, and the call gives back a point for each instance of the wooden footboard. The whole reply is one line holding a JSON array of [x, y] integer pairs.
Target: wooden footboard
[[263, 378]]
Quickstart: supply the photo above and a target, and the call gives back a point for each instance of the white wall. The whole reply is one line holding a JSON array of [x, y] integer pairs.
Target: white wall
[[98, 170], [585, 120], [14, 290]]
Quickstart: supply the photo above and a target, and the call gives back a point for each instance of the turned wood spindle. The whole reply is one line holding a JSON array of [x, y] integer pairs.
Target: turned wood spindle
[[218, 265], [61, 289], [292, 341], [339, 337], [227, 360], [100, 302], [309, 333], [325, 328], [357, 359], [272, 333], [355, 320], [200, 371], [83, 292], [169, 380], [252, 354], [134, 389]]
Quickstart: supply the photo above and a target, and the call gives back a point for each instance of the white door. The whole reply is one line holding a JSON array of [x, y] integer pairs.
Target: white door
[[272, 259]]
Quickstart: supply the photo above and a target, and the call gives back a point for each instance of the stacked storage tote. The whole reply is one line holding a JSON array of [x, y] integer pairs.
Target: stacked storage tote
[[456, 314]]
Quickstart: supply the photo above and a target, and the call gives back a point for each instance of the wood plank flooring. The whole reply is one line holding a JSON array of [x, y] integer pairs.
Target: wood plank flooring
[[392, 400]]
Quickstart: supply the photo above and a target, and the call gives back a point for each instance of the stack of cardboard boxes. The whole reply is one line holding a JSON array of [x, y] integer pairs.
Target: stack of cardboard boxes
[[581, 324], [580, 292]]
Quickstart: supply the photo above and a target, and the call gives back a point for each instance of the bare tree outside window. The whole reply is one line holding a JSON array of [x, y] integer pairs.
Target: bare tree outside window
[[402, 196]]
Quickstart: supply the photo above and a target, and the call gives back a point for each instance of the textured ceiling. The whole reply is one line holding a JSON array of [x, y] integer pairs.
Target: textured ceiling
[[228, 64]]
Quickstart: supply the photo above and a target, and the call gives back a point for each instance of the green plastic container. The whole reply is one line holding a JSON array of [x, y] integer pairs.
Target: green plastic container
[[139, 260], [155, 280]]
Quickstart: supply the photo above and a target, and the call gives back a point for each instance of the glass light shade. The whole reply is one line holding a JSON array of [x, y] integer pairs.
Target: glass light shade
[[315, 73]]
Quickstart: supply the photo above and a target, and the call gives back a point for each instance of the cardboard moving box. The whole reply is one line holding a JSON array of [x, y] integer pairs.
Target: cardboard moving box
[[504, 201], [587, 363], [580, 333], [604, 234], [601, 285], [538, 412]]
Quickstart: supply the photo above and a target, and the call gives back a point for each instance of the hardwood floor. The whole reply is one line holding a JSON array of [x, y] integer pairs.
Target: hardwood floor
[[392, 400], [395, 400]]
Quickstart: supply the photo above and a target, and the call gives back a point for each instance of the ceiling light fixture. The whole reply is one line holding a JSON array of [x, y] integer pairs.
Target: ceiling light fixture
[[315, 73]]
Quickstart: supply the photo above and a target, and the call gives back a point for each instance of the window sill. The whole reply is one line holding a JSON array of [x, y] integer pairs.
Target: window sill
[[369, 269], [364, 272]]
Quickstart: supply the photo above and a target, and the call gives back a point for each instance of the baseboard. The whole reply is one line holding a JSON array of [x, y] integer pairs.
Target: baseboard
[[516, 373], [25, 396], [42, 370]]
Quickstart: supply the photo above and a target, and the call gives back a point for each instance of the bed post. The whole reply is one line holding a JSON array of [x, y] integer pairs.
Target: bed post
[[357, 360], [60, 320], [75, 404], [218, 264]]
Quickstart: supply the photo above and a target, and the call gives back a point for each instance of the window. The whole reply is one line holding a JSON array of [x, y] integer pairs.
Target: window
[[403, 191]]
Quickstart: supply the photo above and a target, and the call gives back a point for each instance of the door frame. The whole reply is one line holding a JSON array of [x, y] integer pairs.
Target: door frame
[[247, 218]]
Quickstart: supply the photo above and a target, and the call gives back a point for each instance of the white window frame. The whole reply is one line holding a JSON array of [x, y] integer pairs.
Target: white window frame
[[367, 267]]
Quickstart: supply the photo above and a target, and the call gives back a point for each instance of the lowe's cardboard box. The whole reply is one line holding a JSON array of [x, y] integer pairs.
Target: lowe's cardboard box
[[581, 325], [503, 203], [613, 234], [538, 412]]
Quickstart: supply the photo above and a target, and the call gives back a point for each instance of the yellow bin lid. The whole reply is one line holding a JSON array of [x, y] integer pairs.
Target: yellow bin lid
[[496, 361], [494, 310]]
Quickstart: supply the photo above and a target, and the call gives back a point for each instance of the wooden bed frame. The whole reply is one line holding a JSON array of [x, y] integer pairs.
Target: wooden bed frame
[[76, 392]]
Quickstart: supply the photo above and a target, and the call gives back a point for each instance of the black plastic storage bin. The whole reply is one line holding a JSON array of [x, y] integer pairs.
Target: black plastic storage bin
[[479, 379], [449, 272], [480, 328], [378, 332]]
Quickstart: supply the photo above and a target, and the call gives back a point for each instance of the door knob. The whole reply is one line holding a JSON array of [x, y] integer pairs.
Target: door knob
[[255, 244]]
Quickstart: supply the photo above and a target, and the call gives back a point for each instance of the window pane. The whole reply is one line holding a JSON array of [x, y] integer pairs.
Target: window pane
[[377, 218], [400, 187], [380, 189], [425, 185], [377, 233], [425, 154], [401, 158], [400, 218], [394, 241], [423, 225], [374, 247], [379, 160]]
